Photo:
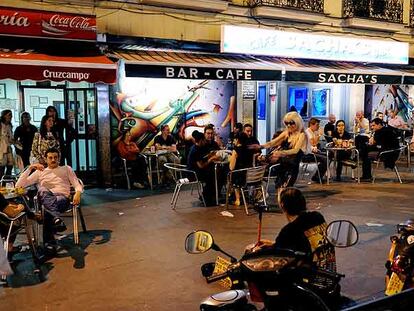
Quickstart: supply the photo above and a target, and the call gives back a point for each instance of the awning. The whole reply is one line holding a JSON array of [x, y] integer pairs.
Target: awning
[[24, 64], [185, 65], [180, 65]]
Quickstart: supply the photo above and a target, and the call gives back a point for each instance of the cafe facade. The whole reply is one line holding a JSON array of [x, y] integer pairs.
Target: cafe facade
[[267, 73]]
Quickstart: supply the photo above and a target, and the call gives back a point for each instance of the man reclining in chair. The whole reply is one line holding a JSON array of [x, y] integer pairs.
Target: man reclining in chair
[[54, 183]]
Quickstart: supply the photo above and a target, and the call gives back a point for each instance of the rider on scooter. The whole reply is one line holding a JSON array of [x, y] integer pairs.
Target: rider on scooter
[[305, 231]]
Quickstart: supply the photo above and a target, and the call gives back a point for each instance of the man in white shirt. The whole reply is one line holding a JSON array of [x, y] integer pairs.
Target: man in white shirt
[[395, 120], [54, 183], [313, 136]]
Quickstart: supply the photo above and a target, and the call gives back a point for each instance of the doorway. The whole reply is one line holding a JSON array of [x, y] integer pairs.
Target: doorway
[[78, 106]]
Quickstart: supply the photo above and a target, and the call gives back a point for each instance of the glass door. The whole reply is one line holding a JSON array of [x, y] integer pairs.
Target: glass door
[[82, 114]]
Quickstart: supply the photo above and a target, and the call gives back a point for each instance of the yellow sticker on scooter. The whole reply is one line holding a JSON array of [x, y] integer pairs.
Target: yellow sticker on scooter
[[221, 267], [395, 285]]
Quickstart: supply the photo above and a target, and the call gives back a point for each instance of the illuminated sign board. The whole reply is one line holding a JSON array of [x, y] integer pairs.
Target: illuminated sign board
[[246, 40]]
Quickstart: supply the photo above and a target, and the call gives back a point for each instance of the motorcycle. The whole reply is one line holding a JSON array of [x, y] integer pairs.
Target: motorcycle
[[400, 263], [274, 279]]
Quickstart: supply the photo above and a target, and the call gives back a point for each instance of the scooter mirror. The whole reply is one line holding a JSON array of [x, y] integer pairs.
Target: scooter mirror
[[342, 233], [198, 242]]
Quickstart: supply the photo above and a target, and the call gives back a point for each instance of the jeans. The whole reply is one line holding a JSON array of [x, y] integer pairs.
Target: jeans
[[54, 204]]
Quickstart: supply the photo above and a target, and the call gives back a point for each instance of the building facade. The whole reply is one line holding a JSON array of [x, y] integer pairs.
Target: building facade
[[175, 46]]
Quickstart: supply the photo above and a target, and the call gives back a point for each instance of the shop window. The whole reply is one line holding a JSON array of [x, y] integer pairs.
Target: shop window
[[320, 102], [298, 100]]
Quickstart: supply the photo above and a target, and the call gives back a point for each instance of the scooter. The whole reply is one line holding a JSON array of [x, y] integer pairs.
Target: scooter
[[275, 279], [400, 263]]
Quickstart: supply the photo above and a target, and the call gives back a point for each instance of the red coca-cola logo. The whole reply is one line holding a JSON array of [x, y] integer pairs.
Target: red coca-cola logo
[[78, 22]]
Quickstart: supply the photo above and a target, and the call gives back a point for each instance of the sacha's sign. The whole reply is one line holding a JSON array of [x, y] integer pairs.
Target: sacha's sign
[[33, 23], [344, 77]]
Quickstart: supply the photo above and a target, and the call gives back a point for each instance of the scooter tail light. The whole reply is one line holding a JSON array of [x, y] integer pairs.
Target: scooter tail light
[[255, 294], [397, 265]]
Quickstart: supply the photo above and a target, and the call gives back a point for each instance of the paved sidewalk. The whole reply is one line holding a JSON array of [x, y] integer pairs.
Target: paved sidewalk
[[133, 257]]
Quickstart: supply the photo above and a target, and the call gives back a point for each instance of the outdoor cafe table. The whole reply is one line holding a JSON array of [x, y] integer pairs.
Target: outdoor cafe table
[[334, 150], [150, 155]]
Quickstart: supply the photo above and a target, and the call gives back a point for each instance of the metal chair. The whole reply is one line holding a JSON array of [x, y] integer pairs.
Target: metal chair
[[309, 160], [271, 175], [253, 182], [381, 157], [183, 176], [76, 213], [124, 164], [22, 222]]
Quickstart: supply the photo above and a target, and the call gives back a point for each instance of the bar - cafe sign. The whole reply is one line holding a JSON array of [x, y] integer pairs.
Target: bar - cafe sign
[[32, 23], [247, 40], [198, 72]]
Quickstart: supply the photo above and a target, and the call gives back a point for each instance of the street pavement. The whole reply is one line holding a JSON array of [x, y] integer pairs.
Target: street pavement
[[133, 257]]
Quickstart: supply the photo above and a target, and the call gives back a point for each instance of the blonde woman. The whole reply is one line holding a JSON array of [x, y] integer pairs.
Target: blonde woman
[[292, 144]]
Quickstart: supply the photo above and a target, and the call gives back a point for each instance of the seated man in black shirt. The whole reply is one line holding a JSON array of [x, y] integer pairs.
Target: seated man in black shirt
[[209, 135], [199, 161], [166, 147], [384, 139]]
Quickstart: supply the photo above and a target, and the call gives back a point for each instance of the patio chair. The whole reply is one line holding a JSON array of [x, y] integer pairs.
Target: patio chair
[[383, 155], [183, 177], [15, 225], [126, 170], [253, 182], [271, 175], [310, 159], [76, 215]]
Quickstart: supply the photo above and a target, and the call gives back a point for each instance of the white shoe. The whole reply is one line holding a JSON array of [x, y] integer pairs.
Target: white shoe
[[138, 185]]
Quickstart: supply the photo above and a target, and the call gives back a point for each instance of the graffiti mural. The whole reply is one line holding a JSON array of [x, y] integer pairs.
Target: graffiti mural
[[141, 106], [380, 98]]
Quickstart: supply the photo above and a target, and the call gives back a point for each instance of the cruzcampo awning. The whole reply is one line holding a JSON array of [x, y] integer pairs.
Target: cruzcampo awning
[[26, 64], [193, 65]]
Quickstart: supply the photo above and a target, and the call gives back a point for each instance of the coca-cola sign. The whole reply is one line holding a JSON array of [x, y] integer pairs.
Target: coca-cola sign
[[47, 24]]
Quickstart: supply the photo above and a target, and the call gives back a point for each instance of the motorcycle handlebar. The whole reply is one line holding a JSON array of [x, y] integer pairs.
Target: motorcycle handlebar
[[216, 277]]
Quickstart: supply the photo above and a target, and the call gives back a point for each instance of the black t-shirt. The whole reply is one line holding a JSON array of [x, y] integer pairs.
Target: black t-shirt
[[252, 141], [25, 135], [386, 139], [195, 155], [212, 145], [328, 127], [244, 157], [164, 142], [307, 234]]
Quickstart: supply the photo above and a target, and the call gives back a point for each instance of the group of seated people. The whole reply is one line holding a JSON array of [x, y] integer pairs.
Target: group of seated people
[[289, 147], [370, 138]]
